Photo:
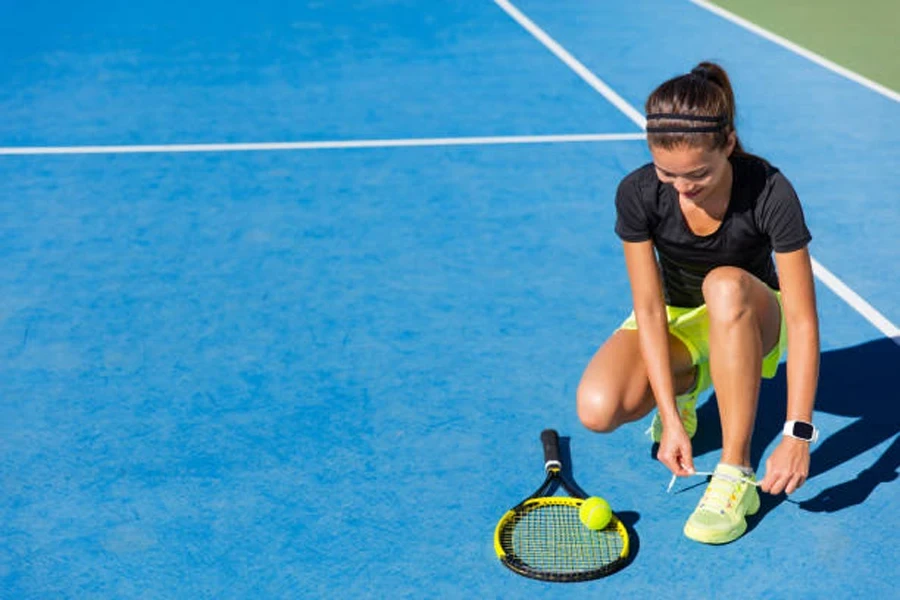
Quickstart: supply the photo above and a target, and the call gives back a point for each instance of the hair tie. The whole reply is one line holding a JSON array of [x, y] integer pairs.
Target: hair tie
[[701, 72]]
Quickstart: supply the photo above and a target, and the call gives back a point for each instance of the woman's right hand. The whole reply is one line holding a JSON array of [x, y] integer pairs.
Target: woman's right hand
[[675, 450]]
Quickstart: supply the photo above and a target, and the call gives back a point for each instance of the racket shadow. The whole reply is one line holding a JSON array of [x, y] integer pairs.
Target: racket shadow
[[628, 518]]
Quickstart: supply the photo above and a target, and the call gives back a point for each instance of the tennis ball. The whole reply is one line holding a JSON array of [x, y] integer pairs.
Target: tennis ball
[[595, 513]]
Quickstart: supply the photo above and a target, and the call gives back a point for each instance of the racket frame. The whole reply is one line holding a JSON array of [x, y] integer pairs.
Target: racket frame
[[553, 467]]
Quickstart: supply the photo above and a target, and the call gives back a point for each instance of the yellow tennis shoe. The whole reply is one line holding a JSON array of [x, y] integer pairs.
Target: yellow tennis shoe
[[720, 516], [686, 405]]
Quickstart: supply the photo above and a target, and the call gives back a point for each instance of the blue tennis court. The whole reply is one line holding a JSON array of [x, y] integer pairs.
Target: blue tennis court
[[290, 292]]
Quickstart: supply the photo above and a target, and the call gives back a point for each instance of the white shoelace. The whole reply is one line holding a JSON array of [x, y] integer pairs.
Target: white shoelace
[[724, 476]]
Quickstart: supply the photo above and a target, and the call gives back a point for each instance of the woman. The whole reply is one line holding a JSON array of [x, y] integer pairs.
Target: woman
[[699, 226]]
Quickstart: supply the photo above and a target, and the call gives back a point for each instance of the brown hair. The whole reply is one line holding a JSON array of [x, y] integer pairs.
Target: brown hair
[[704, 94]]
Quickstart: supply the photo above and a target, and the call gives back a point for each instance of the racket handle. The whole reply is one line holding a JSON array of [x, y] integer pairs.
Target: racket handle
[[550, 440]]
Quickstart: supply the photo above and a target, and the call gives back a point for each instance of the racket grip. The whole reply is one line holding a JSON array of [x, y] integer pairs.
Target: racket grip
[[550, 440]]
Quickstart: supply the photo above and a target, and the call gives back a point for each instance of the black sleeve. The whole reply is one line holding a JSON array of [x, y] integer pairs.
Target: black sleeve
[[631, 219], [781, 216]]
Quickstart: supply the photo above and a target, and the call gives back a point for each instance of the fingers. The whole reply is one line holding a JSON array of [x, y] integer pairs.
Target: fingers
[[781, 480], [687, 463], [678, 467], [677, 455], [787, 483], [794, 484], [786, 470]]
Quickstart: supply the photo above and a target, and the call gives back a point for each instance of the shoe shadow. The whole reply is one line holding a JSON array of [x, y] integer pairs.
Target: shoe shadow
[[853, 382]]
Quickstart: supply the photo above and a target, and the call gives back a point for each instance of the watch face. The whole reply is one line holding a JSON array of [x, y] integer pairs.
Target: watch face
[[803, 430]]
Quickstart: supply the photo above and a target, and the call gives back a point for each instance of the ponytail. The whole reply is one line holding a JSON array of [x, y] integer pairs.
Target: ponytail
[[695, 109]]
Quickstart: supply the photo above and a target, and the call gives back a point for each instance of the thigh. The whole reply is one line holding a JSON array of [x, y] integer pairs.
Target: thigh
[[616, 376], [727, 289]]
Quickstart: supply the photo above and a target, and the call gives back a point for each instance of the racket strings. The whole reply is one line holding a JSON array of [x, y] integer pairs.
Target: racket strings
[[551, 538]]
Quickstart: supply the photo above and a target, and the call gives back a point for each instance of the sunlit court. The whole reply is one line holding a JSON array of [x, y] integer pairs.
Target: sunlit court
[[291, 290]]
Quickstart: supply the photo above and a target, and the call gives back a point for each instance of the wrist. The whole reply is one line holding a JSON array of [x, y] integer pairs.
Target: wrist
[[800, 431], [668, 414]]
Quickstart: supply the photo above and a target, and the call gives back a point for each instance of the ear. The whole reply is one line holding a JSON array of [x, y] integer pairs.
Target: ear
[[732, 142]]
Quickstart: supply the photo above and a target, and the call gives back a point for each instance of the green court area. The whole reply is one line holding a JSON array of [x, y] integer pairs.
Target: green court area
[[861, 35]]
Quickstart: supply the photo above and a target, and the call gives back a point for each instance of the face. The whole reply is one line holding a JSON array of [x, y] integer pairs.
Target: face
[[696, 173]]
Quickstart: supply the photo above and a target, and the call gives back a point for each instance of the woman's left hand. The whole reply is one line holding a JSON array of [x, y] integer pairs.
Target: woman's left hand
[[787, 468]]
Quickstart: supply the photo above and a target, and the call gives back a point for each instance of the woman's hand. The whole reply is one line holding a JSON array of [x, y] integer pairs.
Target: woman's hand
[[787, 468], [675, 450]]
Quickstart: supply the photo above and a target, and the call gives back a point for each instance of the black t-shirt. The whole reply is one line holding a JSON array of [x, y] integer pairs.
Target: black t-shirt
[[763, 214]]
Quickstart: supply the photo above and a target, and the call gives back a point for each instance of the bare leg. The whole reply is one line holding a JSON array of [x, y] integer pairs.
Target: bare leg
[[744, 325], [614, 388]]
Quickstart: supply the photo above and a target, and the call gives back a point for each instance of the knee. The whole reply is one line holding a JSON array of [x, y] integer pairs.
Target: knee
[[598, 409], [726, 292]]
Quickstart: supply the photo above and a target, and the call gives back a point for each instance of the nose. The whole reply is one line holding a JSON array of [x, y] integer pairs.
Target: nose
[[681, 185]]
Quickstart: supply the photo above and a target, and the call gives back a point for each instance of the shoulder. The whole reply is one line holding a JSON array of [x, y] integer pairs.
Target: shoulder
[[776, 207], [763, 180], [639, 185], [636, 204], [640, 178]]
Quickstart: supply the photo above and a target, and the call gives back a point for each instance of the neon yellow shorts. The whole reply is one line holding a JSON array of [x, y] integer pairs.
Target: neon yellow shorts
[[691, 326]]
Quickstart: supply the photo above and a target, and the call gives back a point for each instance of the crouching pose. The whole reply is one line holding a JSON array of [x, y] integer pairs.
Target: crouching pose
[[699, 226]]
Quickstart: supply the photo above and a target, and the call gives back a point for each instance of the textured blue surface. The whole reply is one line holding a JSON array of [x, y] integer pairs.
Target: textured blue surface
[[323, 374]]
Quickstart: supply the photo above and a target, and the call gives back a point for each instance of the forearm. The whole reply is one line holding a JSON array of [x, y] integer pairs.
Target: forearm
[[802, 368], [653, 333], [653, 326]]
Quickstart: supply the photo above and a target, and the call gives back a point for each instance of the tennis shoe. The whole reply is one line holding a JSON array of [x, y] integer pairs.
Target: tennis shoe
[[720, 516], [686, 404]]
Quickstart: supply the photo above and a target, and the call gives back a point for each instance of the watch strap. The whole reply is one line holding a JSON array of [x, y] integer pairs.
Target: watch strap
[[801, 430]]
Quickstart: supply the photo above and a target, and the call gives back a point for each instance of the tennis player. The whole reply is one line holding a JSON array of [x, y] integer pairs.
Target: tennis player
[[699, 226]]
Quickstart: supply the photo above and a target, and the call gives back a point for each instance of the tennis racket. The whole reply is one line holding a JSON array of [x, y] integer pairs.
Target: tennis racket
[[543, 537]]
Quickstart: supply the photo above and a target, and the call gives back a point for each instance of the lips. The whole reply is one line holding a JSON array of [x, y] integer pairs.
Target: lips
[[692, 194]]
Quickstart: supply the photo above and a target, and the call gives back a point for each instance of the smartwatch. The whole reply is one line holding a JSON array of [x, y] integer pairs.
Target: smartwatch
[[801, 430]]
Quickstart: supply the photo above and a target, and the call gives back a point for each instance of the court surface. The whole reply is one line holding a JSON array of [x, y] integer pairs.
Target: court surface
[[317, 365]]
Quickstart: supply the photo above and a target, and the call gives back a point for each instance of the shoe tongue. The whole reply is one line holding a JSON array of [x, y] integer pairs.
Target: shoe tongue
[[730, 471], [723, 483]]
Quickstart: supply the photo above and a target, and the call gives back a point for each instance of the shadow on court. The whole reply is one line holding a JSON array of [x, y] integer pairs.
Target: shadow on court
[[853, 382]]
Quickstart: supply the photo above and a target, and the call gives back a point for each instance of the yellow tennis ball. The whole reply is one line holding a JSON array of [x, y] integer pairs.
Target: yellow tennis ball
[[595, 513]]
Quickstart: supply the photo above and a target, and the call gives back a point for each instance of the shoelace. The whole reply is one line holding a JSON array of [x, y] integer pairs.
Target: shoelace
[[724, 476]]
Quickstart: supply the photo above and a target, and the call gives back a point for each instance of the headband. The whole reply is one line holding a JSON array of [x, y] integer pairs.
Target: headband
[[718, 123]]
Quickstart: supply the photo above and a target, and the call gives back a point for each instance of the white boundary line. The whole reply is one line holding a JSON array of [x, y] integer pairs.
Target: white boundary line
[[573, 63], [808, 54], [326, 145], [837, 286], [856, 301]]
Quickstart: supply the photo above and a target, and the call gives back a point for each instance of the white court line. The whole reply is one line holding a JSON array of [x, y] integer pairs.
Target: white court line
[[825, 276], [573, 63], [856, 301], [327, 145], [808, 54]]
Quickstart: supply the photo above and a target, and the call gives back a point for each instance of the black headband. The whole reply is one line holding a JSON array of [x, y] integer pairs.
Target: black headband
[[683, 117], [720, 123]]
